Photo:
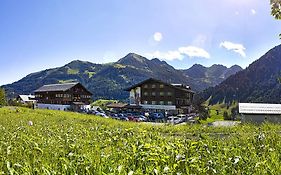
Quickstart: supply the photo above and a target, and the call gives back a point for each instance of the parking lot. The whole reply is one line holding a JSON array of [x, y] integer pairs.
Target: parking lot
[[145, 116]]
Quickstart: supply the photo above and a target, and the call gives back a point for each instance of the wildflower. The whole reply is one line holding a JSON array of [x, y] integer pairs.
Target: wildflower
[[131, 173], [156, 171], [261, 136], [119, 168], [236, 160], [166, 169], [70, 154], [179, 156], [30, 123]]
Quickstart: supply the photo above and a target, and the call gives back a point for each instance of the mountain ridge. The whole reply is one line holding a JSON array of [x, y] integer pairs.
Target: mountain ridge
[[258, 83], [109, 80]]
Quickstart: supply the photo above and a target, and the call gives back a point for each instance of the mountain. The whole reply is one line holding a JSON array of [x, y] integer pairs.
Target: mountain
[[257, 83], [109, 80], [210, 76]]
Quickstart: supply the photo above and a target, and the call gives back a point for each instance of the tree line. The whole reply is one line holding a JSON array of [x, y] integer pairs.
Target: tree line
[[3, 101]]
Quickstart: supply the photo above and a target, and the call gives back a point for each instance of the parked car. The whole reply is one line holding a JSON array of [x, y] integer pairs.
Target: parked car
[[133, 118], [156, 116], [92, 112], [122, 117], [142, 118], [172, 119], [101, 114]]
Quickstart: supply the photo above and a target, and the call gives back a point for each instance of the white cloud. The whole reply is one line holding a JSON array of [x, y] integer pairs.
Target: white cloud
[[193, 51], [157, 36], [253, 11], [179, 54], [238, 48], [170, 55]]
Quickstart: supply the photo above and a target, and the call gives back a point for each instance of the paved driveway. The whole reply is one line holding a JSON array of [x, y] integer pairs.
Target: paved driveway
[[225, 123]]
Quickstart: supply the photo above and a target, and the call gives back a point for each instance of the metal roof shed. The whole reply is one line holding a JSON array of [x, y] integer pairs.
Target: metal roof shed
[[260, 112]]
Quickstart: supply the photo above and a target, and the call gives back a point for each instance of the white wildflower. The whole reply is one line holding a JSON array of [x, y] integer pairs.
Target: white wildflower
[[131, 173], [156, 171], [166, 169], [119, 168], [179, 156], [70, 154], [236, 160], [30, 123], [261, 136]]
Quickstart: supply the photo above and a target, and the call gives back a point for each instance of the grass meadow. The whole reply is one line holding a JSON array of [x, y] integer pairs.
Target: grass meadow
[[53, 142]]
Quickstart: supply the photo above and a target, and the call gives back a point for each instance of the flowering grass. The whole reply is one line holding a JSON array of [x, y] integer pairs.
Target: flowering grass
[[70, 143]]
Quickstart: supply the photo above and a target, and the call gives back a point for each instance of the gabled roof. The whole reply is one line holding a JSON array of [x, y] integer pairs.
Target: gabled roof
[[56, 87], [59, 87], [176, 86]]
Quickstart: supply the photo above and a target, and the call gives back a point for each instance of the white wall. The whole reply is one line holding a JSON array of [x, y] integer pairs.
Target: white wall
[[132, 96], [135, 95], [53, 106]]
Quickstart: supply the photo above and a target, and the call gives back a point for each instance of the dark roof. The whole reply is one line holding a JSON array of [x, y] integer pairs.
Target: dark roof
[[159, 81], [58, 87]]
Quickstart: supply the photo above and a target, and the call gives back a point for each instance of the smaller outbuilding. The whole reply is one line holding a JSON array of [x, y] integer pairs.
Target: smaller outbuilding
[[260, 112], [26, 99]]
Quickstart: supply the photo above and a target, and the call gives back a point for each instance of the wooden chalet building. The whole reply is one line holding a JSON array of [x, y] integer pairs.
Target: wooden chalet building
[[159, 96], [67, 96]]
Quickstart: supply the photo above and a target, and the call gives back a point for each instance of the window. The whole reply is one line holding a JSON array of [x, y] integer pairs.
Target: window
[[153, 102], [161, 93], [169, 93], [59, 95], [161, 85], [153, 86], [145, 93], [38, 95], [170, 103], [145, 86], [161, 102], [153, 93], [145, 102]]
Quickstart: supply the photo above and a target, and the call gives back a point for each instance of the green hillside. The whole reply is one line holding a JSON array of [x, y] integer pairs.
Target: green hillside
[[108, 81], [71, 143], [258, 83]]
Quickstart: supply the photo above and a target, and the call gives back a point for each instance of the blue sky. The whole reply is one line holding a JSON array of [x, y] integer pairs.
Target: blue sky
[[36, 35]]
